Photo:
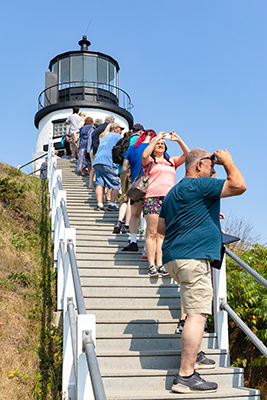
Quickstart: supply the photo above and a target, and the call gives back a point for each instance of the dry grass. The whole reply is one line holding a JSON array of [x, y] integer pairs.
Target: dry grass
[[21, 283]]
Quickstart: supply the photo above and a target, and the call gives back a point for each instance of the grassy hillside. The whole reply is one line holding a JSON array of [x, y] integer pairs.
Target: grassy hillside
[[30, 346]]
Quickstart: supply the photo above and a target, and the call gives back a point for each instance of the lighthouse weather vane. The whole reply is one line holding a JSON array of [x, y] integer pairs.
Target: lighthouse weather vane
[[89, 23]]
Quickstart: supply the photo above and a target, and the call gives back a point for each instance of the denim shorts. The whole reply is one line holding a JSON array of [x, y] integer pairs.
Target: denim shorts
[[194, 278], [107, 175]]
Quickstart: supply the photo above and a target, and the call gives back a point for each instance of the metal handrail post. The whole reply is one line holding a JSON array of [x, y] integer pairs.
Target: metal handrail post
[[60, 275], [243, 326], [68, 376], [72, 321], [220, 316], [76, 279], [84, 382], [89, 349], [59, 196]]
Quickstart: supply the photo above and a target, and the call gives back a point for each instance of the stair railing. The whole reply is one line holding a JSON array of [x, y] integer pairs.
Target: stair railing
[[81, 377], [224, 306]]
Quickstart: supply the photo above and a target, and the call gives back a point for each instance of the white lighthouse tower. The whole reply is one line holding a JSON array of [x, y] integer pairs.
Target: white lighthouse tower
[[83, 78]]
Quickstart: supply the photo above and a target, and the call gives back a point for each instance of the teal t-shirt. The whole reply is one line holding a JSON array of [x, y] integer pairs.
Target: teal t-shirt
[[191, 211]]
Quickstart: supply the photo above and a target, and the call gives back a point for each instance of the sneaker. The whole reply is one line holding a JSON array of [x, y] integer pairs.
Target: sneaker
[[194, 384], [125, 229], [112, 208], [152, 271], [203, 362], [117, 227], [162, 271], [131, 247], [144, 256], [99, 208], [180, 326]]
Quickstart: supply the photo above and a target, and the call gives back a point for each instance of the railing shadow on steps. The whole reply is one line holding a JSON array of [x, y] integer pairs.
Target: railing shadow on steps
[[81, 377]]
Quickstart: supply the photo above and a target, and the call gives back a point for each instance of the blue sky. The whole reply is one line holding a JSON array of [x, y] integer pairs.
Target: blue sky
[[196, 66]]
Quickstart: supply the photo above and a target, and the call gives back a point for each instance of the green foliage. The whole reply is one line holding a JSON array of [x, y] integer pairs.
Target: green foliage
[[21, 278], [249, 300]]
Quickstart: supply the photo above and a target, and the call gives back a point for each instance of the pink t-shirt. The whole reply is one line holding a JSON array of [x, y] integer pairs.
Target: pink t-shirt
[[161, 179]]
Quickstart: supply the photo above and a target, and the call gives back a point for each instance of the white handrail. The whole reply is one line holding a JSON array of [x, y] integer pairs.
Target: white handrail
[[76, 380]]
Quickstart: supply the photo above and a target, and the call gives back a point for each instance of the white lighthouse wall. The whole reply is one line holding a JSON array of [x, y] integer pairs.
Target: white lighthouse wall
[[45, 128]]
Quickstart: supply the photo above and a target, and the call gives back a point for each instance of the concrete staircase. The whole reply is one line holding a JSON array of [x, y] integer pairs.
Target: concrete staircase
[[138, 352]]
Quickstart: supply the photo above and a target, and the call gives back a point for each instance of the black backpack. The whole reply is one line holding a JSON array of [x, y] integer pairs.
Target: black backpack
[[119, 150]]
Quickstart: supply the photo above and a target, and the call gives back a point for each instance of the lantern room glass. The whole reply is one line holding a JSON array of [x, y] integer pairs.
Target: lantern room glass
[[86, 70]]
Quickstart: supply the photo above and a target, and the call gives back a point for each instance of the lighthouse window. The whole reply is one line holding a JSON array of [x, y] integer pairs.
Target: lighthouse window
[[76, 70], [90, 71], [64, 72], [59, 129], [102, 71], [55, 67], [112, 78]]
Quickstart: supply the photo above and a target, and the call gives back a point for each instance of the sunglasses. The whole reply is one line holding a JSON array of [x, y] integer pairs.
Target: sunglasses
[[212, 158]]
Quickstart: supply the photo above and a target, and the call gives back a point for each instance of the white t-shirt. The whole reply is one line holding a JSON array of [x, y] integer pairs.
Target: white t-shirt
[[75, 122]]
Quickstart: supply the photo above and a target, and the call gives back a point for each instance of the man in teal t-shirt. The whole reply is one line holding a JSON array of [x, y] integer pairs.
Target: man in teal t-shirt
[[190, 221]]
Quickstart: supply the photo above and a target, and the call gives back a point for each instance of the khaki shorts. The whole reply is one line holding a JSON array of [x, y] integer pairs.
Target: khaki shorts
[[125, 185], [194, 278]]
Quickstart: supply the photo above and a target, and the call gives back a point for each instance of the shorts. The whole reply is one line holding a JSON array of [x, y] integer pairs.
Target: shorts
[[194, 277], [152, 205], [107, 175], [125, 185]]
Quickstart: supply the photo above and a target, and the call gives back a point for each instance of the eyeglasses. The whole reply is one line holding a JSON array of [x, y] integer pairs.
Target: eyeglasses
[[212, 158]]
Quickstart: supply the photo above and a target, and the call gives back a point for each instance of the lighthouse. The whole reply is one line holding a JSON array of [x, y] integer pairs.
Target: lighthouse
[[83, 78]]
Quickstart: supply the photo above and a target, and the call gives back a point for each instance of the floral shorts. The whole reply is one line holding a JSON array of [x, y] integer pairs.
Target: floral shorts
[[152, 205]]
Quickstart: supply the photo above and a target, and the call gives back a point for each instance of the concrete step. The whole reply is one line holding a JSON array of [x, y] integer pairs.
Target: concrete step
[[138, 263], [159, 359], [153, 342], [122, 272], [160, 379], [147, 327], [119, 291], [119, 314], [132, 303], [225, 393], [117, 256], [116, 241], [134, 282]]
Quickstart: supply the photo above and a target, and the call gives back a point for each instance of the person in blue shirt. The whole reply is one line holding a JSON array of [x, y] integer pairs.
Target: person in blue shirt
[[105, 169], [190, 221], [133, 158]]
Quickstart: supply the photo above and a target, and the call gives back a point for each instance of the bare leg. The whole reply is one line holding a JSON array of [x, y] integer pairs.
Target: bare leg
[[91, 178], [128, 213], [113, 195], [191, 342], [151, 237], [108, 196], [136, 210], [160, 239], [122, 211], [99, 190]]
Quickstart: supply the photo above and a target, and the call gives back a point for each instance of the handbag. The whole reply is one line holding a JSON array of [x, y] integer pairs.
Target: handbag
[[139, 186]]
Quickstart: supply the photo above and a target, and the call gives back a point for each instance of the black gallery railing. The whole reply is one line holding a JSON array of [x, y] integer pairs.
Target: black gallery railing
[[95, 92]]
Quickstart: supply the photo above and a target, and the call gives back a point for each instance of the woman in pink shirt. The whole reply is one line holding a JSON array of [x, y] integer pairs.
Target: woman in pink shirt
[[161, 180]]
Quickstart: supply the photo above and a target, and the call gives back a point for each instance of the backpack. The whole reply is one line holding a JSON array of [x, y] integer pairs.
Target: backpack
[[119, 150]]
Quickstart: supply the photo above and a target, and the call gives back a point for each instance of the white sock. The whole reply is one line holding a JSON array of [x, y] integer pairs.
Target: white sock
[[100, 204], [112, 204], [133, 237]]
